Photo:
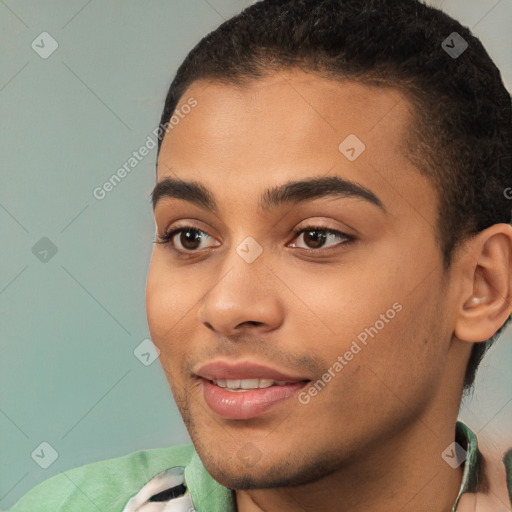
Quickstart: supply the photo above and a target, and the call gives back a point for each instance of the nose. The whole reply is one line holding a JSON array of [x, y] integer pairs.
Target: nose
[[244, 299]]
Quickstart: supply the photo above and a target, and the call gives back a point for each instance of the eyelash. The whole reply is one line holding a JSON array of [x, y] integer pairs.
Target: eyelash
[[168, 237]]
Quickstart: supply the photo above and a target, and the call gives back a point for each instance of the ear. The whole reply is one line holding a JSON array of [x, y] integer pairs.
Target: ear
[[486, 285]]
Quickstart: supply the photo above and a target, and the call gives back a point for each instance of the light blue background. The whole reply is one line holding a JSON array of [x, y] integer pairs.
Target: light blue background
[[68, 327]]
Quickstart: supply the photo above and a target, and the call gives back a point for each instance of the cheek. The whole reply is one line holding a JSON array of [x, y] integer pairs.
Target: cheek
[[406, 358], [341, 301], [169, 303], [379, 320], [156, 303]]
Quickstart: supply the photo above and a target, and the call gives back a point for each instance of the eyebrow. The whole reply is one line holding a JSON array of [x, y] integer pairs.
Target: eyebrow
[[290, 192]]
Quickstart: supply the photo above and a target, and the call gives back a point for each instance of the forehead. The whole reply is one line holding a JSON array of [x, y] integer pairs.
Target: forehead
[[289, 125], [299, 99]]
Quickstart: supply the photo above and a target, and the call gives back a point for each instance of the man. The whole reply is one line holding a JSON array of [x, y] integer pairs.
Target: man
[[333, 257]]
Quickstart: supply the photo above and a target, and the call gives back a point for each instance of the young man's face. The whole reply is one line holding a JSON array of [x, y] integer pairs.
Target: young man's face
[[368, 313]]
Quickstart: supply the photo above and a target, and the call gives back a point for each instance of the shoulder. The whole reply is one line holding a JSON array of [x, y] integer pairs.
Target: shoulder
[[103, 485]]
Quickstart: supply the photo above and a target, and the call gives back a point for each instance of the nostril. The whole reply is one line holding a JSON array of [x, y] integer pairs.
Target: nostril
[[250, 322]]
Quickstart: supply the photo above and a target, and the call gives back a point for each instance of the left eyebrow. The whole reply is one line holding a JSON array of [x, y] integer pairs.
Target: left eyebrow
[[290, 192]]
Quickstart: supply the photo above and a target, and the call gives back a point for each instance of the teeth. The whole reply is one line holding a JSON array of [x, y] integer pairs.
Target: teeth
[[247, 384], [265, 383]]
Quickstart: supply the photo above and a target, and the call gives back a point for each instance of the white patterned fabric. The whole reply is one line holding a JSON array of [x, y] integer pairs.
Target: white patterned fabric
[[172, 481]]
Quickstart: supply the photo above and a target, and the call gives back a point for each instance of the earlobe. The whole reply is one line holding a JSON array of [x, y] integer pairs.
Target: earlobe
[[486, 294]]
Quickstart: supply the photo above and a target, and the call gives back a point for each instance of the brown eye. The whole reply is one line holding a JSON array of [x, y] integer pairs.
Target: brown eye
[[314, 239], [187, 239], [190, 239], [320, 237]]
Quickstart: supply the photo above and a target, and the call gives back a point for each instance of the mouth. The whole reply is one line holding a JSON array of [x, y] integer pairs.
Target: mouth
[[244, 391], [241, 385]]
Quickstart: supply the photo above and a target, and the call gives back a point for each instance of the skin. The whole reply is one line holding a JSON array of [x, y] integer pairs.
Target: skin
[[372, 438]]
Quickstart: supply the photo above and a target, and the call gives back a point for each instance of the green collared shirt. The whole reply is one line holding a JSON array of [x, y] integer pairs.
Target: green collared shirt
[[175, 479]]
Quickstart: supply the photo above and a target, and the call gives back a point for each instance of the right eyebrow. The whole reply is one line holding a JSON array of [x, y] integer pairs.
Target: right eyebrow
[[187, 190]]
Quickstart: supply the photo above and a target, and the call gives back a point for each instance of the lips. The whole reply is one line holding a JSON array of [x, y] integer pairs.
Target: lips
[[241, 391]]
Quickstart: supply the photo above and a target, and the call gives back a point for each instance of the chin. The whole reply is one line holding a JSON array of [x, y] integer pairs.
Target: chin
[[248, 479], [290, 471]]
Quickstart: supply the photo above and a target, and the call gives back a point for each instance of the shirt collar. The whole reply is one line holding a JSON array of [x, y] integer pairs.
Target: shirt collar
[[207, 493], [471, 477]]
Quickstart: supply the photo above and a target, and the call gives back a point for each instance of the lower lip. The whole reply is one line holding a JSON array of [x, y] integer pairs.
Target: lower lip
[[244, 405]]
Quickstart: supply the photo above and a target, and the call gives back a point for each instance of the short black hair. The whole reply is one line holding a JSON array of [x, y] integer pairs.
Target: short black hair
[[462, 136]]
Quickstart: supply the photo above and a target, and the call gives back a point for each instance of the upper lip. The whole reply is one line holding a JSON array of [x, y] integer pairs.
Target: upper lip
[[244, 370]]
